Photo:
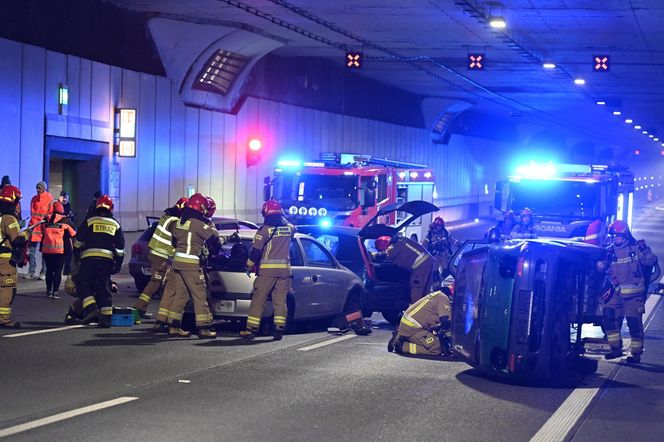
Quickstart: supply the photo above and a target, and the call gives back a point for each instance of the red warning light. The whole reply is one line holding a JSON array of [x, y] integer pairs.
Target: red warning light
[[637, 152], [254, 146], [353, 60], [475, 62], [601, 63]]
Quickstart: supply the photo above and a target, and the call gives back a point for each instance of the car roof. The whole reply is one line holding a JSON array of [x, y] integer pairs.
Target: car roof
[[344, 230], [249, 234]]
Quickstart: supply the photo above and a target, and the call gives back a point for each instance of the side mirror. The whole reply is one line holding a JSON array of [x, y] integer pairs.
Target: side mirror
[[369, 198], [267, 188]]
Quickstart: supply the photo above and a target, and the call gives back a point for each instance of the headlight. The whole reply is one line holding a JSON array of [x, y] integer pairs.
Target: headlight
[[292, 210], [313, 211], [322, 211], [302, 211]]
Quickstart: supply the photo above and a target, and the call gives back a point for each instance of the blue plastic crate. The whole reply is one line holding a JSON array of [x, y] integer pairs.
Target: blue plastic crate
[[122, 317]]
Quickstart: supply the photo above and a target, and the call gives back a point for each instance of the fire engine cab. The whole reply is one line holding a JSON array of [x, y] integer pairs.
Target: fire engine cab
[[349, 189], [566, 198]]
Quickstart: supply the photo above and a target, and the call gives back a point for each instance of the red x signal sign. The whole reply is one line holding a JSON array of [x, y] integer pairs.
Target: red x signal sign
[[601, 63], [475, 62], [353, 60]]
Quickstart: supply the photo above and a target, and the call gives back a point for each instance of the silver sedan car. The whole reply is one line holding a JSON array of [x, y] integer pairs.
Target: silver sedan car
[[322, 288]]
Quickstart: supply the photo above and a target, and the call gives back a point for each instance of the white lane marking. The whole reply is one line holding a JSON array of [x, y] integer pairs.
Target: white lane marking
[[47, 330], [62, 416], [565, 418], [327, 342]]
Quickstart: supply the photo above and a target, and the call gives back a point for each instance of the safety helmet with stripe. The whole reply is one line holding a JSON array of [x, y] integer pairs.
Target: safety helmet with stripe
[[10, 194], [271, 207], [181, 204], [619, 227], [201, 203], [105, 202]]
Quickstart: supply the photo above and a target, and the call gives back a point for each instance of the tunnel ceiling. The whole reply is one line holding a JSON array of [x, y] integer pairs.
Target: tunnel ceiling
[[422, 47]]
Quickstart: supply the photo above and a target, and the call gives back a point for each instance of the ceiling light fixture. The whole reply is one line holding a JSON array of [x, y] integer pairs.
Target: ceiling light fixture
[[655, 139], [549, 65], [617, 113], [579, 81], [601, 103], [645, 132], [651, 136], [637, 127], [629, 121], [497, 22]]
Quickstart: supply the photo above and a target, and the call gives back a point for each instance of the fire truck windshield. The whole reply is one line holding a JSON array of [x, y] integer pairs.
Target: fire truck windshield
[[568, 199], [334, 192]]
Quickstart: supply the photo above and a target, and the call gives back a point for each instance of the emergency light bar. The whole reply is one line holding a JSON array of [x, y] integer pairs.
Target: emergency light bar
[[353, 158]]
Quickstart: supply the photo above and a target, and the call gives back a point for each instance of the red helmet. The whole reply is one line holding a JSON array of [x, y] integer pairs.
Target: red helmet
[[181, 204], [203, 204], [619, 227], [58, 208], [382, 243], [105, 202], [439, 221], [211, 207], [271, 207], [10, 194]]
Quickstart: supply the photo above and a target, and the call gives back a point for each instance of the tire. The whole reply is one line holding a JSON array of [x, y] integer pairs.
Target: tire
[[353, 303], [392, 316]]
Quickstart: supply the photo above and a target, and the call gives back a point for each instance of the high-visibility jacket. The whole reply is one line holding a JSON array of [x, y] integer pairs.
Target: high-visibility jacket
[[54, 235], [624, 268], [100, 237], [40, 207], [408, 254], [161, 242], [10, 235], [190, 236], [270, 250], [425, 313]]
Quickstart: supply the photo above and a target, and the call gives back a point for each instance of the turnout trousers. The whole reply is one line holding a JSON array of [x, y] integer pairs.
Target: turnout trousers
[[421, 342], [190, 284], [159, 271], [93, 288], [275, 287], [167, 298], [632, 309], [7, 291], [420, 280]]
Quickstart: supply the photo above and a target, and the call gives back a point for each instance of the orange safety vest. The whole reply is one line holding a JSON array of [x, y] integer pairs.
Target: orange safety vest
[[53, 242], [40, 207]]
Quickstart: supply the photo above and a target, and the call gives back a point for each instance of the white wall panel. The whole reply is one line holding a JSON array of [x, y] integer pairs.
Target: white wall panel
[[178, 188], [191, 147], [56, 74], [146, 150], [129, 183], [32, 109], [162, 145], [204, 151], [217, 159], [10, 109]]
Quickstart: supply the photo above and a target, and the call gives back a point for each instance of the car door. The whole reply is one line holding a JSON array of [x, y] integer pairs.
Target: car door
[[328, 283], [301, 282]]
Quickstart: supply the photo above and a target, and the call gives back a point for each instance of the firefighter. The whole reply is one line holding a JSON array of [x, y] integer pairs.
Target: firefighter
[[507, 223], [40, 207], [628, 264], [99, 246], [525, 229], [57, 230], [409, 255], [425, 327], [192, 233], [161, 252], [441, 244], [269, 258], [595, 233], [12, 243]]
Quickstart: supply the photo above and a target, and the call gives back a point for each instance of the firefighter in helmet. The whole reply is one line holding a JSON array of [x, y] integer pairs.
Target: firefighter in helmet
[[269, 258], [12, 242], [628, 267], [161, 253], [192, 233], [526, 228], [99, 247], [507, 223], [440, 244], [425, 327], [409, 255]]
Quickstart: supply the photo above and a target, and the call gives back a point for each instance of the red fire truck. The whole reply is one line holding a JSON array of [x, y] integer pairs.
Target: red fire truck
[[348, 189]]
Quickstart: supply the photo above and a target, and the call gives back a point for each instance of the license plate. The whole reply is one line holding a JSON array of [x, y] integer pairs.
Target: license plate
[[225, 307]]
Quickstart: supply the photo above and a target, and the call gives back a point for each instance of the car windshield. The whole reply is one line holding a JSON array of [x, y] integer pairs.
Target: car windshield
[[574, 199], [334, 192]]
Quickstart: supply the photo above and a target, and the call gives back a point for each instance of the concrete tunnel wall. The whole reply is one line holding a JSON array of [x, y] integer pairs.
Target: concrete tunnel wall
[[180, 146]]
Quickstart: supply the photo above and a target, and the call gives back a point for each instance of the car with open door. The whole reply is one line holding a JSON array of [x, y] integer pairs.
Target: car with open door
[[140, 267], [386, 286], [322, 288]]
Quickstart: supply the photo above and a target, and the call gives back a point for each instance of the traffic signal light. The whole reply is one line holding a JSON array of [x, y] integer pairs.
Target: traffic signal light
[[254, 146]]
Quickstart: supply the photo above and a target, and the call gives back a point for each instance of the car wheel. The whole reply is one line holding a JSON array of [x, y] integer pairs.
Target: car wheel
[[353, 304], [392, 316]]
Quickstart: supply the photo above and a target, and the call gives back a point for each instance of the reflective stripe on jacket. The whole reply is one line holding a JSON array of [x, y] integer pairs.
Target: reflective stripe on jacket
[[40, 207], [271, 246], [161, 242], [190, 238], [425, 313], [53, 241]]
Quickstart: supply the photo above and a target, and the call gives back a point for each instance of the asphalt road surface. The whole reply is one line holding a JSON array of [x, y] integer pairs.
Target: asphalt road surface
[[127, 383]]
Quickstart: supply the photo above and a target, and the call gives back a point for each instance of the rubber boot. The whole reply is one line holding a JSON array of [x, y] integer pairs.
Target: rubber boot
[[634, 359], [394, 340], [278, 335], [70, 317], [615, 353], [206, 333], [177, 332], [247, 334], [91, 316], [104, 321]]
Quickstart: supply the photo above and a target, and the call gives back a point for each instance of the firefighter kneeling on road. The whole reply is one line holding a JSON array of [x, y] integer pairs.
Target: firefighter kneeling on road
[[627, 266], [269, 257], [12, 245], [161, 252], [99, 246], [409, 255], [192, 233], [424, 328]]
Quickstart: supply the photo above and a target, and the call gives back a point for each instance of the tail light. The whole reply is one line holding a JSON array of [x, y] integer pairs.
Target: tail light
[[136, 250]]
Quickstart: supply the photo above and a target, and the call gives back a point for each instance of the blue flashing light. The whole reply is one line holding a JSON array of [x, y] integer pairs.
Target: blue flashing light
[[325, 222], [536, 170], [289, 163]]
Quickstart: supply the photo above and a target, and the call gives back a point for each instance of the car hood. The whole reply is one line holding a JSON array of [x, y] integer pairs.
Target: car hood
[[414, 208]]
